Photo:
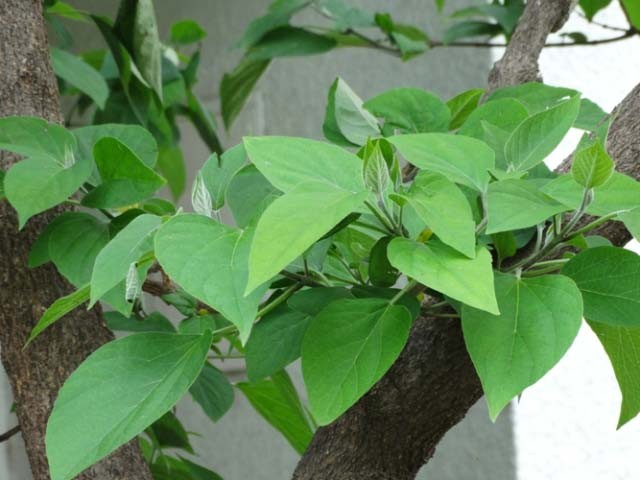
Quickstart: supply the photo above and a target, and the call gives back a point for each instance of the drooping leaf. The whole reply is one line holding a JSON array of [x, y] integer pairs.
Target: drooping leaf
[[462, 105], [118, 392], [537, 136], [443, 269], [80, 74], [609, 278], [236, 87], [58, 309], [539, 319], [516, 204], [622, 345], [286, 229], [170, 433], [127, 247], [461, 159], [213, 392], [209, 261], [171, 165], [277, 401], [592, 166], [347, 348], [412, 110], [346, 120], [125, 178], [445, 210]]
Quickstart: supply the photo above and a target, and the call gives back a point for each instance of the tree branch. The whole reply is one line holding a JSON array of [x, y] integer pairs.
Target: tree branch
[[9, 433]]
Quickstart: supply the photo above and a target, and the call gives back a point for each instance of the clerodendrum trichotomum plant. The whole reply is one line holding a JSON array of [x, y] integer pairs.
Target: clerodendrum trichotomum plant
[[333, 251]]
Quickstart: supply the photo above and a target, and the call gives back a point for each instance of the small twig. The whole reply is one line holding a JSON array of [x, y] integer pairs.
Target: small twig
[[602, 25], [627, 34], [10, 433]]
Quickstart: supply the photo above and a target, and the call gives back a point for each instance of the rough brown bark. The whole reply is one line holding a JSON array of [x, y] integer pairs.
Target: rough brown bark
[[28, 87], [394, 429]]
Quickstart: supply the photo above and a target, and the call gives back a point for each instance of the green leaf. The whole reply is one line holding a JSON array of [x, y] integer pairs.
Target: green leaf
[[346, 16], [37, 184], [609, 278], [34, 137], [81, 75], [289, 42], [412, 110], [198, 472], [277, 401], [632, 9], [443, 269], [154, 322], [592, 166], [535, 96], [2, 195], [347, 348], [125, 178], [136, 138], [590, 117], [278, 15], [539, 319], [213, 392], [445, 210], [171, 165], [631, 220], [248, 195], [197, 324], [622, 345], [236, 87], [381, 272], [217, 172], [74, 244], [209, 261], [127, 247], [287, 229], [461, 159], [470, 29], [462, 105], [537, 136], [375, 171], [137, 29], [186, 32], [118, 392], [506, 114], [58, 309], [169, 433], [591, 7], [516, 204], [289, 161], [346, 121]]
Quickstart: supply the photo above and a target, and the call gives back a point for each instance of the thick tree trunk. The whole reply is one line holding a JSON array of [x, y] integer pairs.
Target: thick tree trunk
[[394, 429], [28, 87]]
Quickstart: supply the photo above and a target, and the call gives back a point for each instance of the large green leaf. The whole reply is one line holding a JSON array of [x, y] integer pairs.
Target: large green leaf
[[539, 319], [136, 138], [209, 261], [347, 348], [622, 345], [516, 204], [461, 159], [609, 278], [213, 392], [125, 178], [277, 401], [126, 248], [411, 109], [118, 392], [346, 121], [34, 137], [445, 209], [288, 227], [276, 339], [80, 74], [442, 268], [288, 161], [463, 105], [537, 136], [38, 183]]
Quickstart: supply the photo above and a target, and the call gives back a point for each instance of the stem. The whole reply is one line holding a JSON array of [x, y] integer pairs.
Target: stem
[[625, 35], [592, 225], [224, 357], [370, 227], [72, 201], [374, 43], [227, 329], [405, 289], [9, 433], [278, 301], [376, 212]]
